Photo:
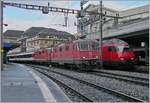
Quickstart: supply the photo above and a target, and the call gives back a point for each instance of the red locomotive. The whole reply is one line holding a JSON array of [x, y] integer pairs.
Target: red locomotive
[[117, 53], [82, 53]]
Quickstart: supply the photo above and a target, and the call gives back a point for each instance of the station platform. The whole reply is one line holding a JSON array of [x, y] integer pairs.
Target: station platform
[[19, 83]]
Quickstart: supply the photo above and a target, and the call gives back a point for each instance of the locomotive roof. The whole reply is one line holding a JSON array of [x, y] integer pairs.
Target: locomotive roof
[[75, 41], [114, 41], [82, 40]]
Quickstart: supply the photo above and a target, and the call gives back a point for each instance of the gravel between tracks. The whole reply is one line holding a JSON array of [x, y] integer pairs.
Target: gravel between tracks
[[134, 74], [90, 92], [138, 91]]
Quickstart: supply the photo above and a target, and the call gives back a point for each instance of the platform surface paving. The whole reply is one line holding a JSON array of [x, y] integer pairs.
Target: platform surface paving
[[19, 85]]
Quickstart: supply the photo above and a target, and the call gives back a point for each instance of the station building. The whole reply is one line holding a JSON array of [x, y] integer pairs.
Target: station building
[[133, 28], [36, 43]]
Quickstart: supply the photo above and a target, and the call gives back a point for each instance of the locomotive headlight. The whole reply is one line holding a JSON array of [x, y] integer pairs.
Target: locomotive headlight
[[121, 58], [96, 56], [83, 57], [132, 58]]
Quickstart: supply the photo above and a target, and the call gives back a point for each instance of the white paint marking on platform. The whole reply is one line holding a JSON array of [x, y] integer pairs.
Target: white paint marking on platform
[[45, 90]]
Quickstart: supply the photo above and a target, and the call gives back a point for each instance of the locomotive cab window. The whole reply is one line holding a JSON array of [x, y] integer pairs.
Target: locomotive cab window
[[74, 46], [127, 49], [123, 48], [94, 46], [60, 49], [88, 45], [112, 48], [67, 48], [55, 50], [83, 46]]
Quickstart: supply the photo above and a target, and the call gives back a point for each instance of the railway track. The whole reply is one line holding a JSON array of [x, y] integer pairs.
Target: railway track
[[108, 90], [68, 88], [127, 78], [121, 77]]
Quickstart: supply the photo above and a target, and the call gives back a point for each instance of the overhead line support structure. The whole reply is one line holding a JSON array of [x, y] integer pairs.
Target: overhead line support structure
[[37, 7], [52, 9]]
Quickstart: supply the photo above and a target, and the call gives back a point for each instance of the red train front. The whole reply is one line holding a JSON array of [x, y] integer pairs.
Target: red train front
[[117, 52]]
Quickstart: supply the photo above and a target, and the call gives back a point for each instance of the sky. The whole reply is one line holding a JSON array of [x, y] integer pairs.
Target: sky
[[22, 19]]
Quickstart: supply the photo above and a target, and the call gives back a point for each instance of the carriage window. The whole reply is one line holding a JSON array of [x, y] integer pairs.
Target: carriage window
[[109, 49], [112, 49], [83, 46], [25, 56], [88, 46], [50, 51], [55, 50], [60, 49], [67, 48], [74, 47], [28, 55], [94, 46]]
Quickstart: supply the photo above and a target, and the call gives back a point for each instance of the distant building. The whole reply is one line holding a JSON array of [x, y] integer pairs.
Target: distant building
[[37, 42], [38, 37], [11, 36]]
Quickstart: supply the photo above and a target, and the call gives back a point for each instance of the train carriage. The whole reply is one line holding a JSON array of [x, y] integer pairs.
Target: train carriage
[[21, 57]]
